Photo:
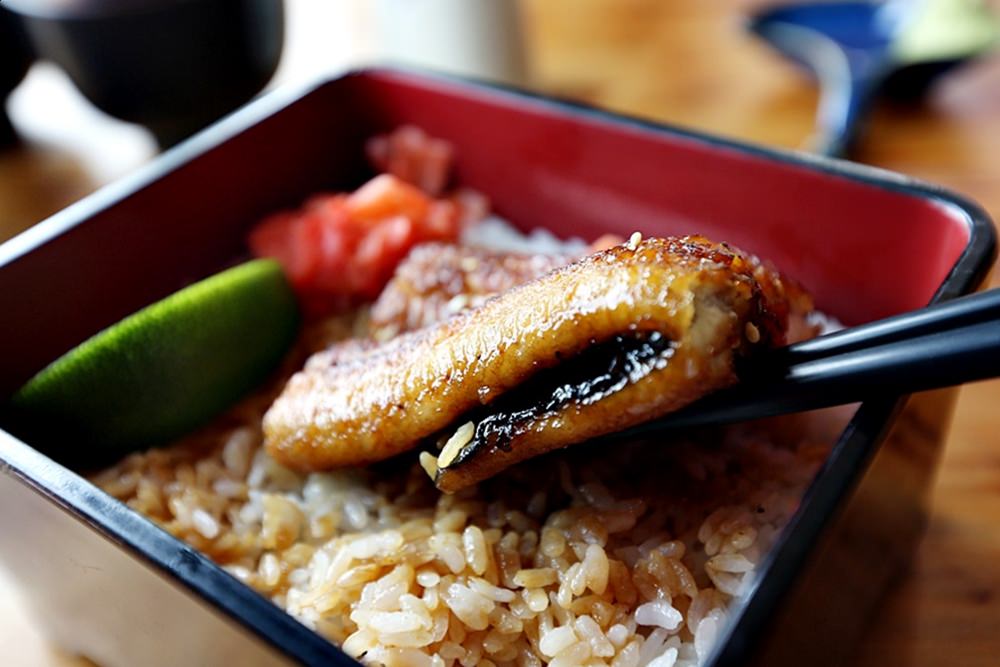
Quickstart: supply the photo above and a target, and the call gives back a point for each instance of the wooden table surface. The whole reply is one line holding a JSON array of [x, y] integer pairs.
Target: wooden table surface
[[687, 62]]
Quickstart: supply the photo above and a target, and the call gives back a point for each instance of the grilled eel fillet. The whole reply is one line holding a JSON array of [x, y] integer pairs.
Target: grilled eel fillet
[[615, 339]]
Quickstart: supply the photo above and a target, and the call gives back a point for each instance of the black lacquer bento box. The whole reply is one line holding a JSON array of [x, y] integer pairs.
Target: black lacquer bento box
[[108, 584]]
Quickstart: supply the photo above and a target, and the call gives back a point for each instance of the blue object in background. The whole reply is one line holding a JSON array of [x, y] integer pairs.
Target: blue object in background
[[860, 49]]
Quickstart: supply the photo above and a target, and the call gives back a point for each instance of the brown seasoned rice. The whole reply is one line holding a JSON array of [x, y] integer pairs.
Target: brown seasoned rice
[[578, 557]]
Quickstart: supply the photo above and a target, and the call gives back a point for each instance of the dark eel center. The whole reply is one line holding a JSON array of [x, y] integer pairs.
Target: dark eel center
[[601, 370]]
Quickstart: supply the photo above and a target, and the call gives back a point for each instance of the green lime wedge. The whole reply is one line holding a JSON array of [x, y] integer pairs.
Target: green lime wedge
[[164, 370]]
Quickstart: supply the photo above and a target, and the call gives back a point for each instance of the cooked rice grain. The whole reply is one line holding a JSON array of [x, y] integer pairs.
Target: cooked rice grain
[[615, 564]]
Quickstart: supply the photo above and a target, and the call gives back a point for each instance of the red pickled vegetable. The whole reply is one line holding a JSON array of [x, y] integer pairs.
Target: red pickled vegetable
[[341, 250]]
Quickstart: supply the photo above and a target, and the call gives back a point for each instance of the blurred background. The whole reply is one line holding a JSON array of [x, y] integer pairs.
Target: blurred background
[[906, 85]]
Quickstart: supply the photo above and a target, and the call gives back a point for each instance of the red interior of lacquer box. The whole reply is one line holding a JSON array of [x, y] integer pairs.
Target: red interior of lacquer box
[[865, 251]]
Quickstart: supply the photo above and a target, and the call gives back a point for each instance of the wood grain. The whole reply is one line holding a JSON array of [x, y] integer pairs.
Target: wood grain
[[690, 62]]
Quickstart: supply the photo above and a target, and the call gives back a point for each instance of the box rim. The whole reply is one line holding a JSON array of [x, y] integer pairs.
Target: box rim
[[209, 582]]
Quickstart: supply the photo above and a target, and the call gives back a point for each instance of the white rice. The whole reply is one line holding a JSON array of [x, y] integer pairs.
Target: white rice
[[497, 234], [625, 566], [577, 557]]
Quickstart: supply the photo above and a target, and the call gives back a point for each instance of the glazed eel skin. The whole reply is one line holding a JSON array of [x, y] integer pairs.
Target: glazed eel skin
[[612, 340]]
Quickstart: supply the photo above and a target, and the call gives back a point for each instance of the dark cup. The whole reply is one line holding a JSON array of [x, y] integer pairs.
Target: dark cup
[[15, 57], [171, 65]]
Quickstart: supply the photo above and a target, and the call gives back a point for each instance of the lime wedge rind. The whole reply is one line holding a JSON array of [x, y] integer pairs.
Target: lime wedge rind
[[164, 370]]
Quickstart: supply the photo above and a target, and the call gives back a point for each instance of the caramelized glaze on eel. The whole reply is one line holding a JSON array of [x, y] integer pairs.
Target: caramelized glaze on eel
[[615, 339]]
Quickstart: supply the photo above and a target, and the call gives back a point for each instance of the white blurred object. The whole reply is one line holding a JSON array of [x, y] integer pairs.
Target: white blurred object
[[478, 38], [48, 110]]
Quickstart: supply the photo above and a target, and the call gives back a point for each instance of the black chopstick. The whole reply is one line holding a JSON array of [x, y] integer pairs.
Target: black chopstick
[[932, 319], [938, 346]]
